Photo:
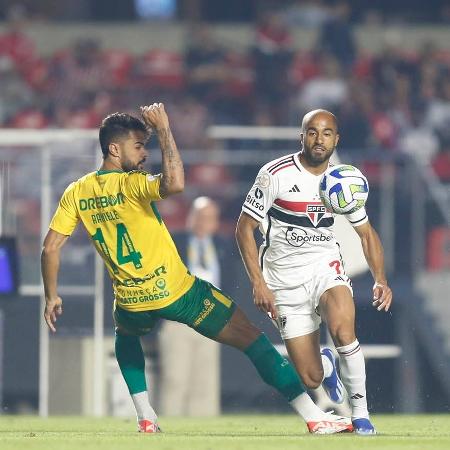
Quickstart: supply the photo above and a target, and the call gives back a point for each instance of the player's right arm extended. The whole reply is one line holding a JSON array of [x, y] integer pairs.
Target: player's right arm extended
[[49, 268], [172, 180], [262, 295]]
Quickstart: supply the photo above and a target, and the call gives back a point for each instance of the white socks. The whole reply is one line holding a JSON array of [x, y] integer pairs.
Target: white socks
[[304, 405], [143, 407], [353, 375]]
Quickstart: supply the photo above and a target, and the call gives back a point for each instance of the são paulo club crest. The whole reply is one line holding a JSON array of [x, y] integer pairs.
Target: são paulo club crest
[[315, 212]]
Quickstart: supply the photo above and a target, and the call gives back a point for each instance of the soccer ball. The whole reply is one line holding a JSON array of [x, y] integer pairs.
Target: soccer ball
[[343, 189]]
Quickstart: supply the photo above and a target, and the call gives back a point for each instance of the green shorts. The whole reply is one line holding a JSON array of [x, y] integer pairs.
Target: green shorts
[[203, 307]]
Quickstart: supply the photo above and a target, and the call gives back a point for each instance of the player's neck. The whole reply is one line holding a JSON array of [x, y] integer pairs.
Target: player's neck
[[110, 165]]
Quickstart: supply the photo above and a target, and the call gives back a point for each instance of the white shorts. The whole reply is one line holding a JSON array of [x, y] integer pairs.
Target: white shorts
[[297, 307]]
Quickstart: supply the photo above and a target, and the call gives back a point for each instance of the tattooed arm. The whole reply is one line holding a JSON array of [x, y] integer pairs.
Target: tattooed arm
[[172, 180]]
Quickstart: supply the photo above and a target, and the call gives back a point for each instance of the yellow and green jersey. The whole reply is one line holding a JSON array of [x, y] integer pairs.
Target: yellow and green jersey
[[118, 211]]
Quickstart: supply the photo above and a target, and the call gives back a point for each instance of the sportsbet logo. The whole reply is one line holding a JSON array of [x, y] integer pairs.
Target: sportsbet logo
[[101, 202], [298, 237]]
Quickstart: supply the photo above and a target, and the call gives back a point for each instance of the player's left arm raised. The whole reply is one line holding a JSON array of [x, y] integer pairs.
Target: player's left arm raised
[[373, 251]]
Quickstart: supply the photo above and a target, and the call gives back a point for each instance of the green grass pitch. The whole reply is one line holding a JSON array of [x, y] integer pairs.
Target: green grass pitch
[[246, 432]]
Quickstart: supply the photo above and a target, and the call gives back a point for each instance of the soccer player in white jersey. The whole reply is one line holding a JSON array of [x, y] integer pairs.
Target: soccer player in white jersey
[[298, 277]]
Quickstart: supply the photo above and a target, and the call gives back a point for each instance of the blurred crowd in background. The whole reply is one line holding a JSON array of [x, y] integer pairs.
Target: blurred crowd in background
[[396, 100]]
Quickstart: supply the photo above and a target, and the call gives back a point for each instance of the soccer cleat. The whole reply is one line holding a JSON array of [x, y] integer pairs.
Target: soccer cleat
[[147, 426], [363, 427], [330, 424], [333, 385]]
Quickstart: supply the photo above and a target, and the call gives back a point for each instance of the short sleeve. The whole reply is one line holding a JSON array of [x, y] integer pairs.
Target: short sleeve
[[261, 195], [144, 186], [357, 218], [66, 216]]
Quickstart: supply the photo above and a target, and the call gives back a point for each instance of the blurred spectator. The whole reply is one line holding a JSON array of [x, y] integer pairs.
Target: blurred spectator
[[388, 65], [161, 71], [336, 35], [383, 127], [427, 70], [304, 67], [14, 43], [238, 89], [400, 101], [205, 65], [78, 71], [15, 95], [419, 141], [190, 120], [328, 90], [272, 54], [118, 64], [354, 118]]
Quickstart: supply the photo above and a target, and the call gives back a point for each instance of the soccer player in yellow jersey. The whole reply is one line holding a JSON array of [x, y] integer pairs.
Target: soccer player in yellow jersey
[[117, 206]]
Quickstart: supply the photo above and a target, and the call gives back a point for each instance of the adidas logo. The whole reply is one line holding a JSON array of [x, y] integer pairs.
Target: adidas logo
[[294, 189], [357, 396]]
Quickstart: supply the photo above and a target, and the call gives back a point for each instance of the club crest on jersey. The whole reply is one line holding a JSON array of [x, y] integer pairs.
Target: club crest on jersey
[[315, 212], [263, 180], [282, 320]]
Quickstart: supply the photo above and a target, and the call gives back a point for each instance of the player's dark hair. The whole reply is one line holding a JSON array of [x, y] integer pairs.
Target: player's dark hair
[[118, 125]]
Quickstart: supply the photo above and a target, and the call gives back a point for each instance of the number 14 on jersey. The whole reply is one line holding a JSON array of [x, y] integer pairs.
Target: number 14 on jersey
[[125, 249]]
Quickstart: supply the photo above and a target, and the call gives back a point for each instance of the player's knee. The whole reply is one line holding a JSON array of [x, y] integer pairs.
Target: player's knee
[[239, 332], [311, 376], [243, 327], [342, 335], [312, 379], [248, 332]]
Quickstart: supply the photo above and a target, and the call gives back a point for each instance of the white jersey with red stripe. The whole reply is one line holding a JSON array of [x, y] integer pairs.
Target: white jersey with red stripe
[[296, 226]]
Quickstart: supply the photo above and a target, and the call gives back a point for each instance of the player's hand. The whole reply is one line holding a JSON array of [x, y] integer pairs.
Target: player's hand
[[264, 299], [382, 296], [155, 116], [53, 308]]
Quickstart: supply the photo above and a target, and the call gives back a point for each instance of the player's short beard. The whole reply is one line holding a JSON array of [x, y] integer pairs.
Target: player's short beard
[[128, 166], [316, 161]]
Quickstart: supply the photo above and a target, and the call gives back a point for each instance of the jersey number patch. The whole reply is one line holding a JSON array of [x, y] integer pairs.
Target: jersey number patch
[[337, 266], [124, 249]]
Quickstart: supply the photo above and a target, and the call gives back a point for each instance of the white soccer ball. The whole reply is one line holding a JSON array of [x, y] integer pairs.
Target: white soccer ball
[[343, 189]]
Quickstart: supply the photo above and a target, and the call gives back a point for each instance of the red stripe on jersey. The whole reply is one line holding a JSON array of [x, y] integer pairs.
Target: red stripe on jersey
[[296, 206], [281, 168], [279, 162]]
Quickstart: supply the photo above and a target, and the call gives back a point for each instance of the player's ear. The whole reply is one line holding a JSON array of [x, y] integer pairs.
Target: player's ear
[[113, 149], [336, 140]]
